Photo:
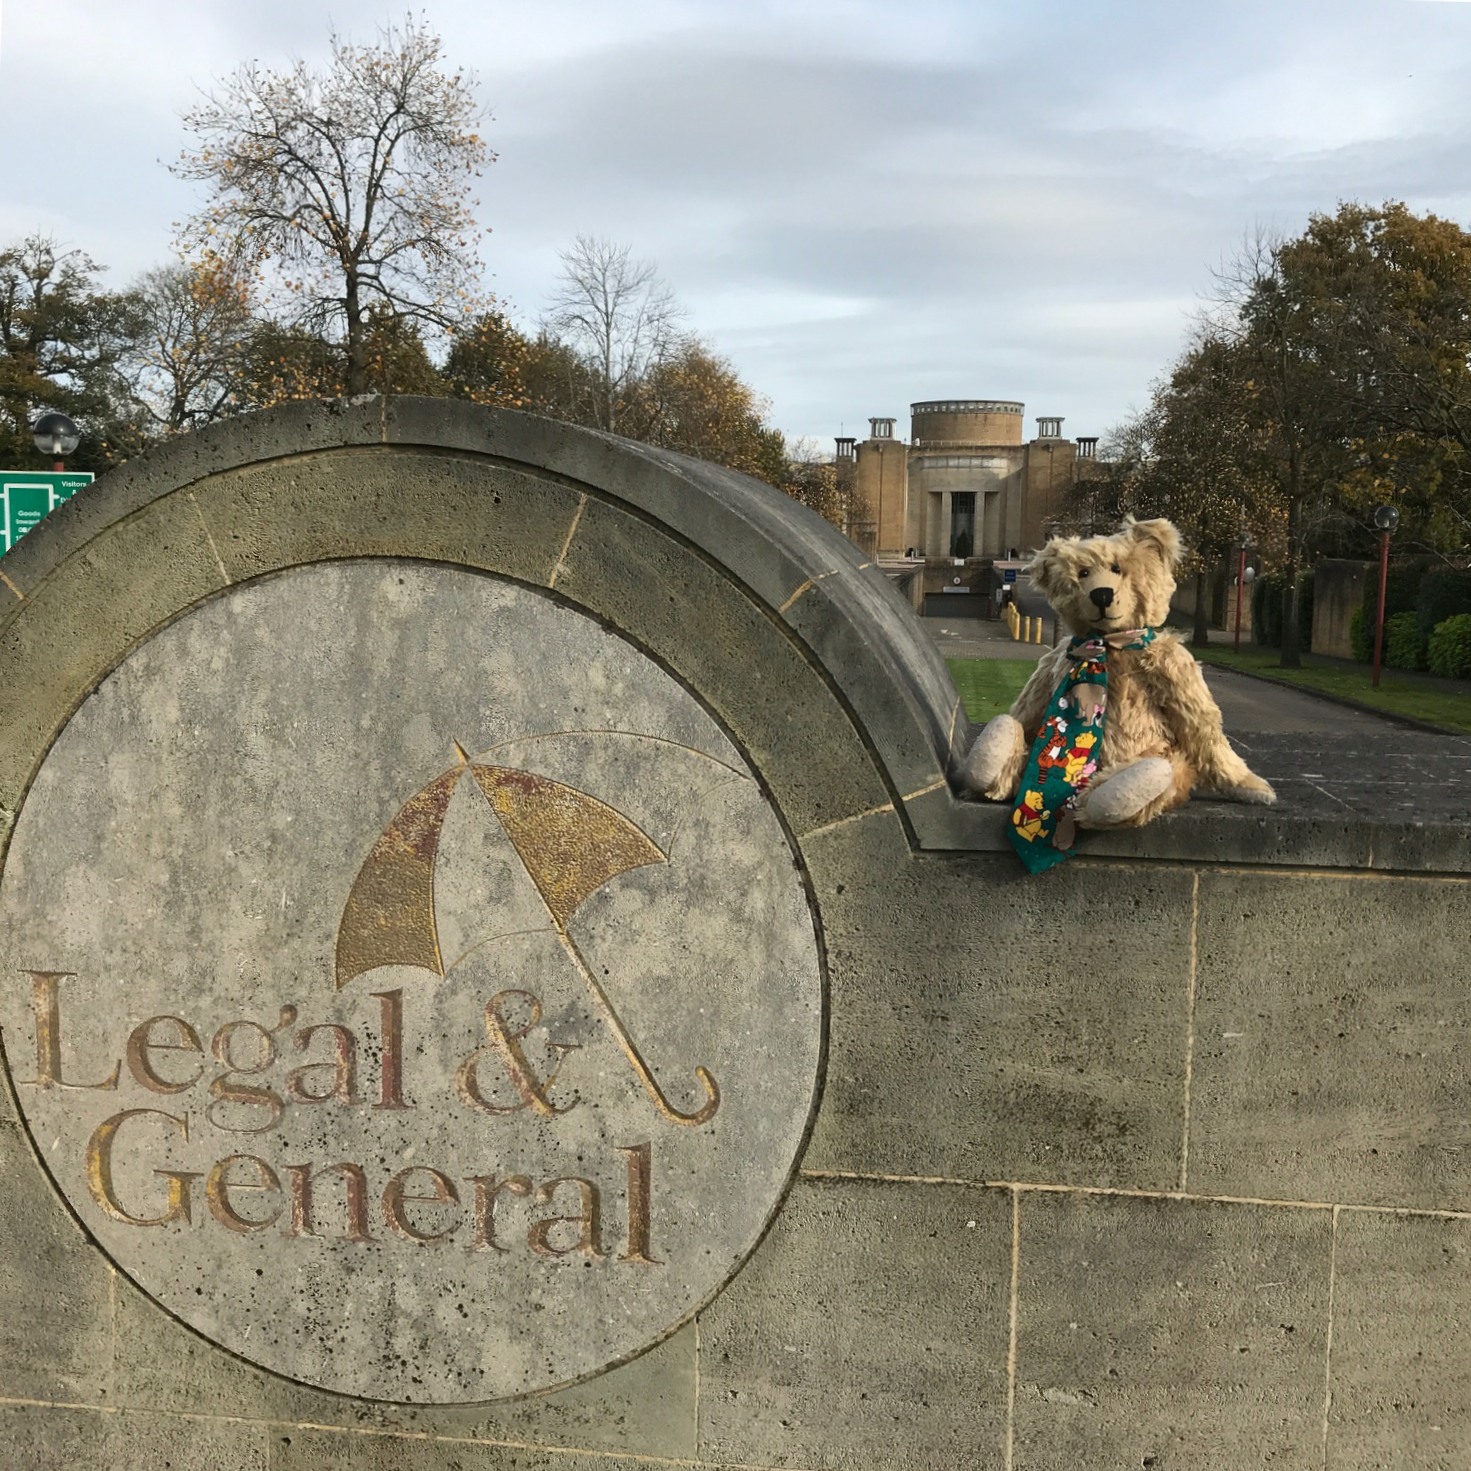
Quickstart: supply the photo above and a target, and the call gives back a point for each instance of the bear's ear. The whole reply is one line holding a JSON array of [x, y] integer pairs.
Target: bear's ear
[[1050, 568], [1158, 536]]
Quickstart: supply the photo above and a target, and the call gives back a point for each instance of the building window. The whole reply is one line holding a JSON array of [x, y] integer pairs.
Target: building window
[[962, 462], [963, 524]]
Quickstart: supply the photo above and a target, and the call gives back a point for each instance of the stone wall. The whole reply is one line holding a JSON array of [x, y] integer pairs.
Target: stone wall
[[1155, 1160], [881, 498], [1338, 593]]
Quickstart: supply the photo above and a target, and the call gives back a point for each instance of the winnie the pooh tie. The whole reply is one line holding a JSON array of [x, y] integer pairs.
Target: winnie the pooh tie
[[1065, 753]]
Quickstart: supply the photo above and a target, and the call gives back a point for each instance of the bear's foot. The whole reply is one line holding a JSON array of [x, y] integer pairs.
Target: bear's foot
[[1251, 788], [1120, 798], [995, 761]]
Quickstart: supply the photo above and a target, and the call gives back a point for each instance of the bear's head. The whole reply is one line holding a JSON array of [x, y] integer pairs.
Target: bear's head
[[1105, 584]]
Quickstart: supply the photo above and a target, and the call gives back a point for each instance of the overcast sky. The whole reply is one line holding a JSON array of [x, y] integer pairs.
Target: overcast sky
[[862, 204]]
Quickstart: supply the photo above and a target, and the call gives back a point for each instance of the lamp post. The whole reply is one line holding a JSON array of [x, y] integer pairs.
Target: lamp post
[[55, 435], [1386, 518], [1242, 543]]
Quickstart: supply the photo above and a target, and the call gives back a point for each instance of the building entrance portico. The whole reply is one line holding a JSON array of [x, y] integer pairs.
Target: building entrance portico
[[966, 485]]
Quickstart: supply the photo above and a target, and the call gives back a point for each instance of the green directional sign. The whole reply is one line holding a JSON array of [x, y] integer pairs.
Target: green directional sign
[[28, 495]]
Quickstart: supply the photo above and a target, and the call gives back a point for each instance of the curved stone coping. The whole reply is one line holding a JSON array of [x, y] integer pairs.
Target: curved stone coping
[[858, 630], [1388, 800], [1222, 833], [967, 406]]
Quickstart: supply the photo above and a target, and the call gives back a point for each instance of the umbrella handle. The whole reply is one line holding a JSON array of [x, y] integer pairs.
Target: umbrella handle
[[651, 1084]]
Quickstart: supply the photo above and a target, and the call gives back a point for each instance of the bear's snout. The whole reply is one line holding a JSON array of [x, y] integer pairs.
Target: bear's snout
[[1101, 597]]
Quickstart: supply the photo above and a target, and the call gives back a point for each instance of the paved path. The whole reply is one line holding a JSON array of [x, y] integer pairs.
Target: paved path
[[1327, 761], [1246, 704]]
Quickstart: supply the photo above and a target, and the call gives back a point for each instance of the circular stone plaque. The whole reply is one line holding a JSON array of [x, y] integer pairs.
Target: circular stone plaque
[[408, 984]]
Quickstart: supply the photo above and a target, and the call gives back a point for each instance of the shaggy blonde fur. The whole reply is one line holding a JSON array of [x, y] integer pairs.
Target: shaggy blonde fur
[[1158, 703]]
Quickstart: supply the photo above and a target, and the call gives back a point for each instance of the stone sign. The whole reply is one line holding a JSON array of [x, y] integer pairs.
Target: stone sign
[[408, 984]]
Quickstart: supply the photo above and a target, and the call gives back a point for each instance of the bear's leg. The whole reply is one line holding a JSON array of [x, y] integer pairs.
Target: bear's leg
[[1227, 775], [1130, 795], [994, 765]]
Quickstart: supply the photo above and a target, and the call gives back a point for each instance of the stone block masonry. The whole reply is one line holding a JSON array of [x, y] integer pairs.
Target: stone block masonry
[[492, 974]]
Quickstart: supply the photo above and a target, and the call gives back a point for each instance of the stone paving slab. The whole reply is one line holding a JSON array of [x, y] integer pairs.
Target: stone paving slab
[[1393, 775]]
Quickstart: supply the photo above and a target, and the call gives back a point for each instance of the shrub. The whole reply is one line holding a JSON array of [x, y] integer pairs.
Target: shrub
[[1268, 594], [1404, 646], [1266, 610], [1443, 593], [1401, 591], [1361, 635], [1450, 647]]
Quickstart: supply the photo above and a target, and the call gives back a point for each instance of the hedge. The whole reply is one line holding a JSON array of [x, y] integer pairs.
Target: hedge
[[1267, 596], [1450, 647], [1443, 593], [1361, 635], [1404, 645], [1401, 595]]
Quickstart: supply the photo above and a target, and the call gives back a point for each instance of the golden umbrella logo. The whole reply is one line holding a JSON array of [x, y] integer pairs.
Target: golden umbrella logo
[[570, 844]]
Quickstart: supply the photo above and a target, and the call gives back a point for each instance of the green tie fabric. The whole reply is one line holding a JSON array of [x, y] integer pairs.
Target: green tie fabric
[[1065, 753]]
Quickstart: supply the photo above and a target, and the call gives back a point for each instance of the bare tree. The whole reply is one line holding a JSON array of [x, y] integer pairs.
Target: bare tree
[[619, 318], [185, 363], [353, 181]]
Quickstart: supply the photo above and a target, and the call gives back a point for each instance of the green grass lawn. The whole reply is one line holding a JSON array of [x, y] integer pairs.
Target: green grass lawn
[[988, 686], [1448, 707]]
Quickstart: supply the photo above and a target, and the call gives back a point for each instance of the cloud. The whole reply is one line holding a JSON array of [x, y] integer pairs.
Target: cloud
[[863, 205]]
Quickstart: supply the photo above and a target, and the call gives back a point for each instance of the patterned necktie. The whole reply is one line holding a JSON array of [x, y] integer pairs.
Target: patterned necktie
[[1065, 753]]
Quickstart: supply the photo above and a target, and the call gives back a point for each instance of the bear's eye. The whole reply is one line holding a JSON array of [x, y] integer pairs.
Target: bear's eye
[[1083, 575], [1116, 569]]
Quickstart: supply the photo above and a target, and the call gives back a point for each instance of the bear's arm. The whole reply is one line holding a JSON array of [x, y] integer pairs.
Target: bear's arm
[[1186, 705], [1031, 705], [1178, 691]]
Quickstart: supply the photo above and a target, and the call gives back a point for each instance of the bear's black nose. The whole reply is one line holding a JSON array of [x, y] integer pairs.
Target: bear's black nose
[[1102, 596]]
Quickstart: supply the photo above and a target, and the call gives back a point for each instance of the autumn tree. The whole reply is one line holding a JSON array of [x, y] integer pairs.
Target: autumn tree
[[186, 358], [398, 359], [348, 186], [62, 339], [488, 363], [1195, 456], [1288, 359], [280, 364], [1386, 298], [1354, 341], [620, 320], [812, 478], [693, 401]]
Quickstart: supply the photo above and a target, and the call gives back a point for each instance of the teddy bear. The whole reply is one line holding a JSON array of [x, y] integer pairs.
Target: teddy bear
[[1116, 725]]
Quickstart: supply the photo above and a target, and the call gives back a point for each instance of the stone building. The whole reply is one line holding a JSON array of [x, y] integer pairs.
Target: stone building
[[965, 485]]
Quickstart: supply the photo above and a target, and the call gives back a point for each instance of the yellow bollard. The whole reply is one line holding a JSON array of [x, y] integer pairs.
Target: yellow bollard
[[1038, 638], [1027, 630]]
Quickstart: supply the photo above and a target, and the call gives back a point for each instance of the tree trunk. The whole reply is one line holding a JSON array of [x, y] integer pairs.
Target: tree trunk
[[1291, 626], [1201, 635], [18, 408], [356, 378]]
